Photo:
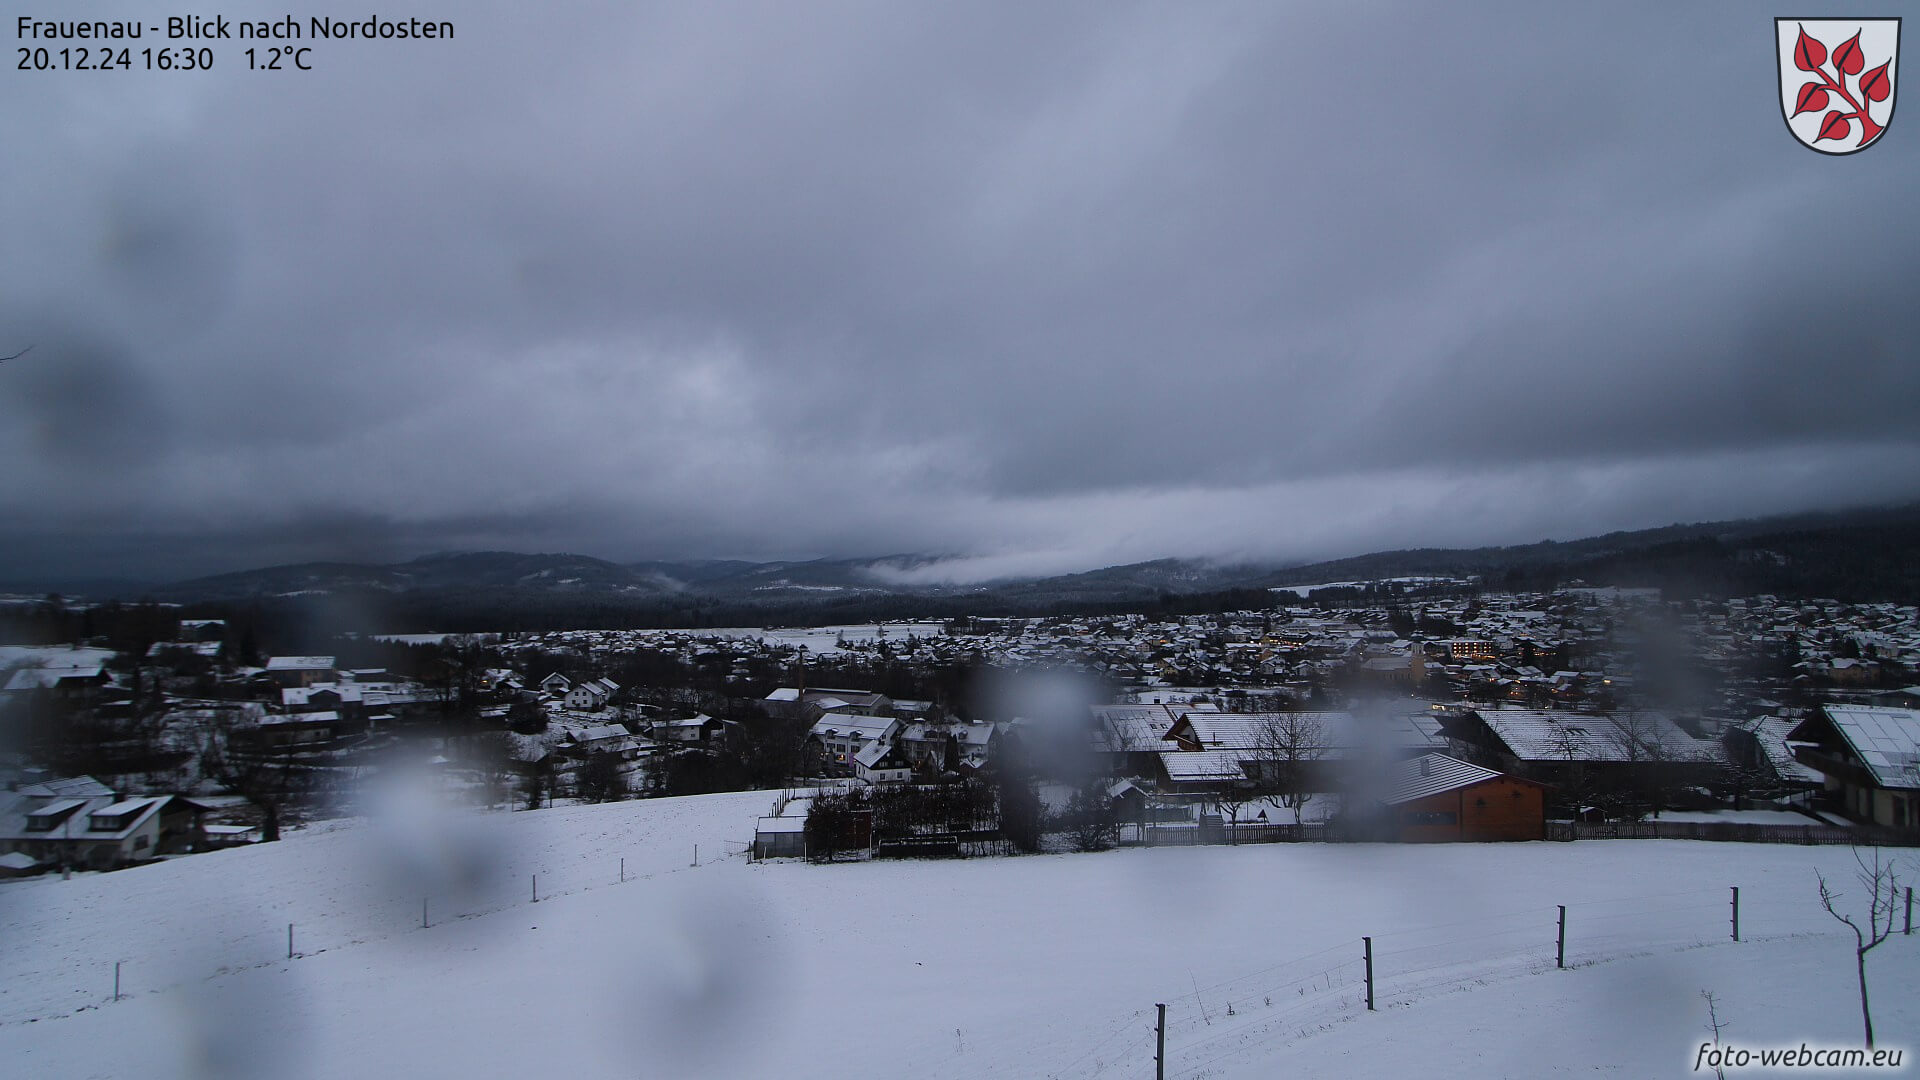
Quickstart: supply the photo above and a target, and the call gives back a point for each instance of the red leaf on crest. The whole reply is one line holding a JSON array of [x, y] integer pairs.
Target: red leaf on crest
[[1869, 130], [1808, 52], [1812, 96], [1874, 83], [1847, 56], [1836, 126]]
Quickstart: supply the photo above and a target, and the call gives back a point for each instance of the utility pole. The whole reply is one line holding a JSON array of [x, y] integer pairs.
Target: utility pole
[[1736, 912], [1160, 1045]]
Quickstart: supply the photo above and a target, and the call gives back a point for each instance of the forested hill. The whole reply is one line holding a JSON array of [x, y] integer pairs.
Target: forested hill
[[1857, 556]]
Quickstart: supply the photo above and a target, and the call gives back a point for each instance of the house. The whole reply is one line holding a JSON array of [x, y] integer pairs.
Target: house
[[1762, 748], [881, 763], [556, 685], [794, 703], [943, 747], [73, 682], [1869, 759], [1907, 697], [592, 695], [1471, 649], [94, 829], [345, 697], [583, 742], [700, 730], [206, 650], [300, 670], [1435, 797], [1129, 737], [293, 733], [840, 736]]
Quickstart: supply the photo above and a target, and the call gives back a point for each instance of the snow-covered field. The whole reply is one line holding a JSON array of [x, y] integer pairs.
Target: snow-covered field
[[1017, 967], [823, 640], [826, 640]]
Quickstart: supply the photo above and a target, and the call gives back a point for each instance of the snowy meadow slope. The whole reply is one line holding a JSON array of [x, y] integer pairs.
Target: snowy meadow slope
[[1018, 967]]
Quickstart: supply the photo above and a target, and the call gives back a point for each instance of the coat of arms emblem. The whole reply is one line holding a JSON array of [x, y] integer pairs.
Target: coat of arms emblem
[[1837, 80]]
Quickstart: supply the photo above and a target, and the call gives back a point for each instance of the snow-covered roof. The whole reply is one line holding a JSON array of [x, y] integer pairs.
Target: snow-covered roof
[[126, 806], [68, 787], [866, 727], [293, 696], [1192, 765], [326, 717], [44, 678], [1770, 732], [1132, 727], [869, 755], [1534, 735], [1431, 774], [202, 648], [1886, 740], [785, 693], [300, 663], [1325, 730], [596, 732]]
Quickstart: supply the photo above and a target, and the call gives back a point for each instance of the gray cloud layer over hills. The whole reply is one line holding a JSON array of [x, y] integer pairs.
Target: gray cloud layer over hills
[[1047, 286]]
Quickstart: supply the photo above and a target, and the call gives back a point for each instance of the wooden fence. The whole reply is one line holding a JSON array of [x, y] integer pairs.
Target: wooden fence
[[1728, 831]]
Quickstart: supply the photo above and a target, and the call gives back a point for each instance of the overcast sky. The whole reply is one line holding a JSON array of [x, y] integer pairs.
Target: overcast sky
[[1049, 286]]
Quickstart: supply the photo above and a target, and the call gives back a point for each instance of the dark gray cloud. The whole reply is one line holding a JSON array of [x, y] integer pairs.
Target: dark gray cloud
[[1048, 287]]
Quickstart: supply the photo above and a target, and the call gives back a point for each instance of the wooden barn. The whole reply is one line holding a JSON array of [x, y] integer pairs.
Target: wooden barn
[[1438, 798]]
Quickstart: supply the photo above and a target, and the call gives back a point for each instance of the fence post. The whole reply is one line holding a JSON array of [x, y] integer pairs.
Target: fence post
[[423, 914], [536, 887], [623, 871], [1160, 1045], [1909, 930], [116, 980], [1560, 951], [1736, 913], [1368, 942], [289, 941]]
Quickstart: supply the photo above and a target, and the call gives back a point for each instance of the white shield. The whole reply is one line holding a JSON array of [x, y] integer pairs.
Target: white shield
[[1837, 78]]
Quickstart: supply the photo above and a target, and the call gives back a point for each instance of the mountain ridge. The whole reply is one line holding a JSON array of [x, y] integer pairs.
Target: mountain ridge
[[1726, 551]]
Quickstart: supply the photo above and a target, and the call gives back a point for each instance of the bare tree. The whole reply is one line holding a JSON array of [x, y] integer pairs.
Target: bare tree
[[233, 757], [1883, 887], [1641, 739], [1092, 820], [490, 756], [601, 780], [1286, 747], [1575, 787], [1714, 1022], [536, 782]]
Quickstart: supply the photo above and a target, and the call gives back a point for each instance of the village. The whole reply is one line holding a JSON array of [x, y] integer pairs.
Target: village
[[1397, 714]]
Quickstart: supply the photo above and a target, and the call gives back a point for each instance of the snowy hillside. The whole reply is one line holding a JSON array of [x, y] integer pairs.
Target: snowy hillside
[[1018, 967]]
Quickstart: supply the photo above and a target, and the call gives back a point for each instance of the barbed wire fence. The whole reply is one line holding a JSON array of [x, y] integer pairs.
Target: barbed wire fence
[[1210, 1025], [364, 911]]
